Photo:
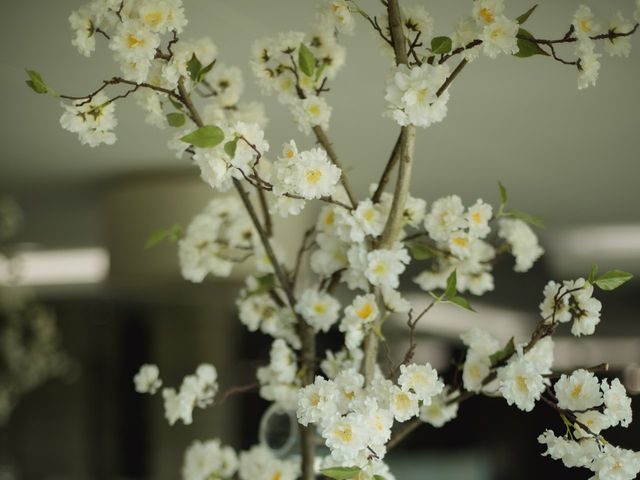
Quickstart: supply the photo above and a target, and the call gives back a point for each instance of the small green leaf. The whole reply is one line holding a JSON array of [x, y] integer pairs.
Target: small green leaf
[[230, 147], [612, 279], [593, 273], [461, 302], [171, 234], [320, 70], [36, 83], [265, 284], [204, 137], [306, 60], [205, 70], [378, 477], [176, 104], [193, 67], [503, 354], [525, 16], [340, 473], [452, 282], [525, 217], [420, 251], [440, 45], [503, 194], [527, 47], [176, 119]]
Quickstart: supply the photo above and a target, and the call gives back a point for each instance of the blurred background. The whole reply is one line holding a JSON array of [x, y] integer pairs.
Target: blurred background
[[569, 156]]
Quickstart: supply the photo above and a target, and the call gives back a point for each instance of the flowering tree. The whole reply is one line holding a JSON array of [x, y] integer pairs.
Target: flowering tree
[[346, 399]]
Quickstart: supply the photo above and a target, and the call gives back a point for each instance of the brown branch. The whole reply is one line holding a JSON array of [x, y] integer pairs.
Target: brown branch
[[386, 174], [233, 391], [303, 248], [268, 224]]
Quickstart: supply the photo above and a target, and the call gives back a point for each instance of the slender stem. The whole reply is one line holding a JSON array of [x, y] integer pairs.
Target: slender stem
[[322, 138], [404, 432], [268, 223], [386, 174]]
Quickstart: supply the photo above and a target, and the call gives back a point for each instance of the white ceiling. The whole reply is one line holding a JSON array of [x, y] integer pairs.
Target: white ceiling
[[568, 155]]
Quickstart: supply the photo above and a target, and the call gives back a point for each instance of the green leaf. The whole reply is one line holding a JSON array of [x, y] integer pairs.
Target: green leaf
[[440, 45], [420, 251], [193, 67], [171, 234], [452, 282], [503, 194], [176, 119], [527, 48], [612, 279], [461, 302], [204, 137], [504, 354], [36, 83], [306, 60], [205, 70], [230, 147], [266, 283], [378, 477], [593, 273], [176, 104], [525, 217], [525, 16], [340, 473]]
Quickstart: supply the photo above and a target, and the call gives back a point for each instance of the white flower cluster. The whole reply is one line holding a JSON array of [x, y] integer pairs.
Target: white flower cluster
[[258, 311], [215, 240], [412, 94], [571, 300], [522, 242], [279, 381], [210, 459], [596, 406], [355, 420], [459, 234], [198, 390], [259, 463], [276, 65], [92, 120], [308, 174]]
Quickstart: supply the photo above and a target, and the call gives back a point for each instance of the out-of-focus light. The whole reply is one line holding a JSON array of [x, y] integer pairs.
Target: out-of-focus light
[[56, 267], [574, 249], [632, 378]]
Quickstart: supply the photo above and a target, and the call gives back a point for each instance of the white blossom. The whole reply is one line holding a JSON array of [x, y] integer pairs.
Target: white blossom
[[578, 391], [147, 380], [320, 310], [204, 460], [523, 242]]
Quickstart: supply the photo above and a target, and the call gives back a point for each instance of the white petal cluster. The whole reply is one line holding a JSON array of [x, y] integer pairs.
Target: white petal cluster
[[620, 46], [258, 311], [278, 380], [355, 420], [617, 403], [209, 459], [147, 380], [522, 241], [459, 232], [578, 391], [311, 112], [522, 380], [384, 266], [308, 174], [497, 32], [358, 317], [259, 463], [196, 390], [335, 14], [571, 300], [439, 411], [93, 120], [319, 309], [412, 94], [608, 462], [480, 346], [215, 240]]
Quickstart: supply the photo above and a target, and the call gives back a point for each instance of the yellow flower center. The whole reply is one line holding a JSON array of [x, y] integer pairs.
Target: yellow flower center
[[133, 41], [330, 218], [487, 15], [313, 110], [521, 383], [277, 475], [313, 176], [369, 214], [153, 19], [461, 242], [365, 311], [434, 409], [476, 217], [314, 400], [402, 401], [576, 391], [379, 269], [345, 434], [585, 25], [319, 308], [497, 33], [290, 153]]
